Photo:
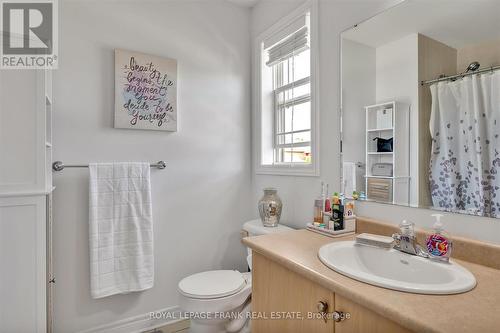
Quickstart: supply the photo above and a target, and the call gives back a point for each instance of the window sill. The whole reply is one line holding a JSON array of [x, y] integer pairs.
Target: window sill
[[287, 170]]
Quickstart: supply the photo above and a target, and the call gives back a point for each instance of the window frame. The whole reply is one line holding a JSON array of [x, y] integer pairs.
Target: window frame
[[285, 168]]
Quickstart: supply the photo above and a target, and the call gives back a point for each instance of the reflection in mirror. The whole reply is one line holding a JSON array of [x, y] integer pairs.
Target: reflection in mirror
[[421, 106]]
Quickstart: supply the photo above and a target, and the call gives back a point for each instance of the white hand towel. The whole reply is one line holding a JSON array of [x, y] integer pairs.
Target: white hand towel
[[349, 178], [121, 228]]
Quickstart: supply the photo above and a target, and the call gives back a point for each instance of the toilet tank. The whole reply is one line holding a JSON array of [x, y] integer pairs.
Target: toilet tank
[[256, 228]]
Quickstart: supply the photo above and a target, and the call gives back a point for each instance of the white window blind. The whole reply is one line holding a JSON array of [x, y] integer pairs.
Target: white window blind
[[293, 44]]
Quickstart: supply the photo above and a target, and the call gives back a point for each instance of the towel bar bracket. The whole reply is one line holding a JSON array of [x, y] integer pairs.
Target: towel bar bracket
[[57, 166]]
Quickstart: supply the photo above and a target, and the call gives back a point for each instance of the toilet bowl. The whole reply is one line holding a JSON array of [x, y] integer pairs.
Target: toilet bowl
[[219, 301], [214, 299]]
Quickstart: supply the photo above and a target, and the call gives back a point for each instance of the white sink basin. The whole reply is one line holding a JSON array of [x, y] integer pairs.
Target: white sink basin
[[396, 270]]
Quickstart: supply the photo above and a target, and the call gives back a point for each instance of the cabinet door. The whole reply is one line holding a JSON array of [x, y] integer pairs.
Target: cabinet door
[[362, 320], [279, 292], [22, 265]]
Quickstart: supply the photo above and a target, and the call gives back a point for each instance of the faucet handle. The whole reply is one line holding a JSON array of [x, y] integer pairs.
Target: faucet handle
[[407, 228], [421, 251], [397, 240]]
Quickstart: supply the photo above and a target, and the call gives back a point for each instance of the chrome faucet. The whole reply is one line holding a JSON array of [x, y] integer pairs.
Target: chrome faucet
[[407, 242]]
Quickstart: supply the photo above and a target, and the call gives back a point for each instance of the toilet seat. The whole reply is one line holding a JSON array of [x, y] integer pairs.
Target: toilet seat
[[212, 284], [221, 304]]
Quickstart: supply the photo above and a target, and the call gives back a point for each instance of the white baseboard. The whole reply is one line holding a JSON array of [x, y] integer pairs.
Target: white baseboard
[[143, 323]]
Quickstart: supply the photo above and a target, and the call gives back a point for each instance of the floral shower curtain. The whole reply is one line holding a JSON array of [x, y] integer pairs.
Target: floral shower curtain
[[465, 129]]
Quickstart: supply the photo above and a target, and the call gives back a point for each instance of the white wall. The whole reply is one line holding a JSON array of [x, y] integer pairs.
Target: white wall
[[202, 198], [298, 193], [487, 53], [358, 91], [397, 80]]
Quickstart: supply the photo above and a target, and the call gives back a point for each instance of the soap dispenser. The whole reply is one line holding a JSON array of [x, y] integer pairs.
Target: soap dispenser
[[439, 245]]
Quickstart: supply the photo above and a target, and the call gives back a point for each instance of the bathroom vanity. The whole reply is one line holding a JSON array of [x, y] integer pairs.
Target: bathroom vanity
[[296, 291], [278, 291]]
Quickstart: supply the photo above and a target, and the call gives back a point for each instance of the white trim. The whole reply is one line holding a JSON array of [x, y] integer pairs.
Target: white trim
[[141, 323], [292, 85], [293, 132], [312, 169], [293, 145], [25, 193]]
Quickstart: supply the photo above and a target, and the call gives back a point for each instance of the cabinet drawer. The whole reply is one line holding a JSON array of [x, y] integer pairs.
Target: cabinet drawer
[[379, 189]]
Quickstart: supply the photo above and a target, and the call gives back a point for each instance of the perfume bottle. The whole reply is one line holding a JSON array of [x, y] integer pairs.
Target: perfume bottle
[[318, 211]]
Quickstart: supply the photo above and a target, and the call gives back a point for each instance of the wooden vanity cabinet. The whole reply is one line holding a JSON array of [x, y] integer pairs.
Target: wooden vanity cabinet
[[276, 289], [362, 319], [284, 301]]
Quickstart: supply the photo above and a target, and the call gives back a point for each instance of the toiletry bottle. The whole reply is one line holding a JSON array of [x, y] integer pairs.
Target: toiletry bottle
[[439, 245], [319, 206], [349, 209], [323, 196], [326, 219], [331, 223], [318, 211], [335, 198], [328, 206], [338, 214]]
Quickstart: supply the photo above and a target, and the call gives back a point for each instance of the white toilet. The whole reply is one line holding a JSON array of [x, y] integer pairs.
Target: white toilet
[[219, 301]]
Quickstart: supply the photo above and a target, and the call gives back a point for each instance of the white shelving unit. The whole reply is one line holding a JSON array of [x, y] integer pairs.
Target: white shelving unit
[[25, 188], [395, 188]]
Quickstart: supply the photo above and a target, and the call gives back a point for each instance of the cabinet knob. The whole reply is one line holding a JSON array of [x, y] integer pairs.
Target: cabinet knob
[[322, 306], [338, 316]]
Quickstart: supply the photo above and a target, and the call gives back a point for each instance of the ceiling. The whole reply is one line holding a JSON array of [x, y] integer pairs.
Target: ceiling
[[245, 3], [457, 23]]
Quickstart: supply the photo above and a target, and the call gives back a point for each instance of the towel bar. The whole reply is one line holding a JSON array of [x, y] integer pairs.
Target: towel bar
[[59, 166]]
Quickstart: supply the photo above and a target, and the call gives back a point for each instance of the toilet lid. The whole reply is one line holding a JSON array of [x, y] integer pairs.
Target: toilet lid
[[212, 284]]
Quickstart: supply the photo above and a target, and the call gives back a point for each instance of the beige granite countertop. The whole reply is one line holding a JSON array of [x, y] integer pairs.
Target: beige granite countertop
[[475, 311]]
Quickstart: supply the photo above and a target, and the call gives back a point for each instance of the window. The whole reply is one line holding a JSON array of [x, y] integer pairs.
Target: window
[[292, 109], [287, 136]]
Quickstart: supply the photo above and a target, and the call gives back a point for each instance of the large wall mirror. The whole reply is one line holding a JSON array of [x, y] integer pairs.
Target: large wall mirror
[[420, 108]]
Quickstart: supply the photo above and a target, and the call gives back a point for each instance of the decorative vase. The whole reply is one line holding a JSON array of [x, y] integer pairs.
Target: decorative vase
[[270, 208]]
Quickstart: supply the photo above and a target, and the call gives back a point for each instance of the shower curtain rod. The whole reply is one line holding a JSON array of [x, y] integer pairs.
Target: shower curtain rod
[[446, 78]]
